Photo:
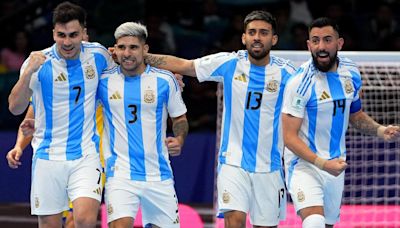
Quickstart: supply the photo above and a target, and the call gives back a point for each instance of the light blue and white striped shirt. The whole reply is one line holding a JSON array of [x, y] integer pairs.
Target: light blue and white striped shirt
[[135, 111], [64, 93], [251, 134], [324, 101]]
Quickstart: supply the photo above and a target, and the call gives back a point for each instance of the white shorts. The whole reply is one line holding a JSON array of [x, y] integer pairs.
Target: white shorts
[[263, 195], [158, 201], [310, 186], [55, 182]]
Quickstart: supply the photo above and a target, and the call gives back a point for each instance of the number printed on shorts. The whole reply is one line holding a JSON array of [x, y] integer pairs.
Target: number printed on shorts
[[281, 195]]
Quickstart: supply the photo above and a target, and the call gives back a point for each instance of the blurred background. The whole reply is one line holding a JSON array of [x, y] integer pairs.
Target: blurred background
[[189, 29]]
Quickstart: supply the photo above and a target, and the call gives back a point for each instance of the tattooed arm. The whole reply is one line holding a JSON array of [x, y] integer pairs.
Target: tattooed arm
[[365, 124], [171, 63], [180, 127]]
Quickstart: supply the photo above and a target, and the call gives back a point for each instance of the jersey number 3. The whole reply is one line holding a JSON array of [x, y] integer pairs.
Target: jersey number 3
[[133, 109]]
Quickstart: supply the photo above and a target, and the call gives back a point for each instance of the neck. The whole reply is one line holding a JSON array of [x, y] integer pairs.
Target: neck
[[260, 62], [137, 71]]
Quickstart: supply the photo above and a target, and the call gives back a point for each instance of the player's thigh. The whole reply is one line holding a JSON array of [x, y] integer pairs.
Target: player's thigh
[[268, 204], [122, 222], [85, 178], [306, 186], [122, 198], [234, 189], [48, 187], [333, 197], [160, 204]]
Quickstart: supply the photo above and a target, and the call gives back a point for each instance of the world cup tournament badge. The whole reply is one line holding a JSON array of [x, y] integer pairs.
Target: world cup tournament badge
[[272, 86], [149, 96], [348, 86], [89, 72]]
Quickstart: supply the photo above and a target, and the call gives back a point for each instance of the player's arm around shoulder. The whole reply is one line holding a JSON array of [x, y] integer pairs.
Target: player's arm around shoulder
[[19, 97], [365, 124], [171, 63], [180, 128]]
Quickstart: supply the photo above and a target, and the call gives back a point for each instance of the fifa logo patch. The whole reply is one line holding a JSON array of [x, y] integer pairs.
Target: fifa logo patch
[[348, 86], [89, 72], [226, 197], [149, 96], [300, 196], [272, 86], [37, 202]]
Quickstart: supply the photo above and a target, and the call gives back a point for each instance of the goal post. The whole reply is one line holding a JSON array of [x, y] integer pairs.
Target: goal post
[[371, 195]]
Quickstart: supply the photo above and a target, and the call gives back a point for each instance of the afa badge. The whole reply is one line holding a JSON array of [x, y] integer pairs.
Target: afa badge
[[226, 197], [272, 86], [300, 196], [110, 209], [37, 204], [89, 72], [348, 86], [149, 96]]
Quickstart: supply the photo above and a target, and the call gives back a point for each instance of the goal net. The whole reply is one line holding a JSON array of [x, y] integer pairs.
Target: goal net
[[371, 195]]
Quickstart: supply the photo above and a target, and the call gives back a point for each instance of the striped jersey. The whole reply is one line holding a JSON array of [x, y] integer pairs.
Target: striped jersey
[[135, 110], [324, 100], [251, 126], [64, 94]]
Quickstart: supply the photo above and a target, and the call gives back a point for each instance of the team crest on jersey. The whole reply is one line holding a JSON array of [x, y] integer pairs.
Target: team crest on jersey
[[348, 86], [37, 202], [149, 96], [272, 86], [89, 72], [300, 196], [110, 209], [226, 197]]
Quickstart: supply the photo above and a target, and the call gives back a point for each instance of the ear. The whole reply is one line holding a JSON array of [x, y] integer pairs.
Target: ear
[[340, 44], [146, 49], [244, 39], [308, 45], [54, 35], [274, 40], [85, 35]]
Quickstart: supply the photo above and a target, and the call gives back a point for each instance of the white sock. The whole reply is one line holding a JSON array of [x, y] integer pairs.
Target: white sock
[[314, 221]]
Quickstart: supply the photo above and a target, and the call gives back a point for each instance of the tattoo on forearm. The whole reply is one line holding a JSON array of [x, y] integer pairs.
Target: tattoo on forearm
[[155, 61], [366, 125], [181, 128]]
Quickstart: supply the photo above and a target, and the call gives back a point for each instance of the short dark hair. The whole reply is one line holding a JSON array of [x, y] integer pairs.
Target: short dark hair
[[323, 22], [260, 15], [67, 11]]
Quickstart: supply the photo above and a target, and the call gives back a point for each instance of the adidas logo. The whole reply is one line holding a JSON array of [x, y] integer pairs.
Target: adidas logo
[[116, 96], [61, 78], [324, 96], [241, 78]]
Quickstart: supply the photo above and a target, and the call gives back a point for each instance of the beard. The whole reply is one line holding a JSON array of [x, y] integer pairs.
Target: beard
[[325, 67], [258, 55]]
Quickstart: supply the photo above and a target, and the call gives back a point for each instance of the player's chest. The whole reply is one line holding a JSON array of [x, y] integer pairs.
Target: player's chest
[[143, 93]]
